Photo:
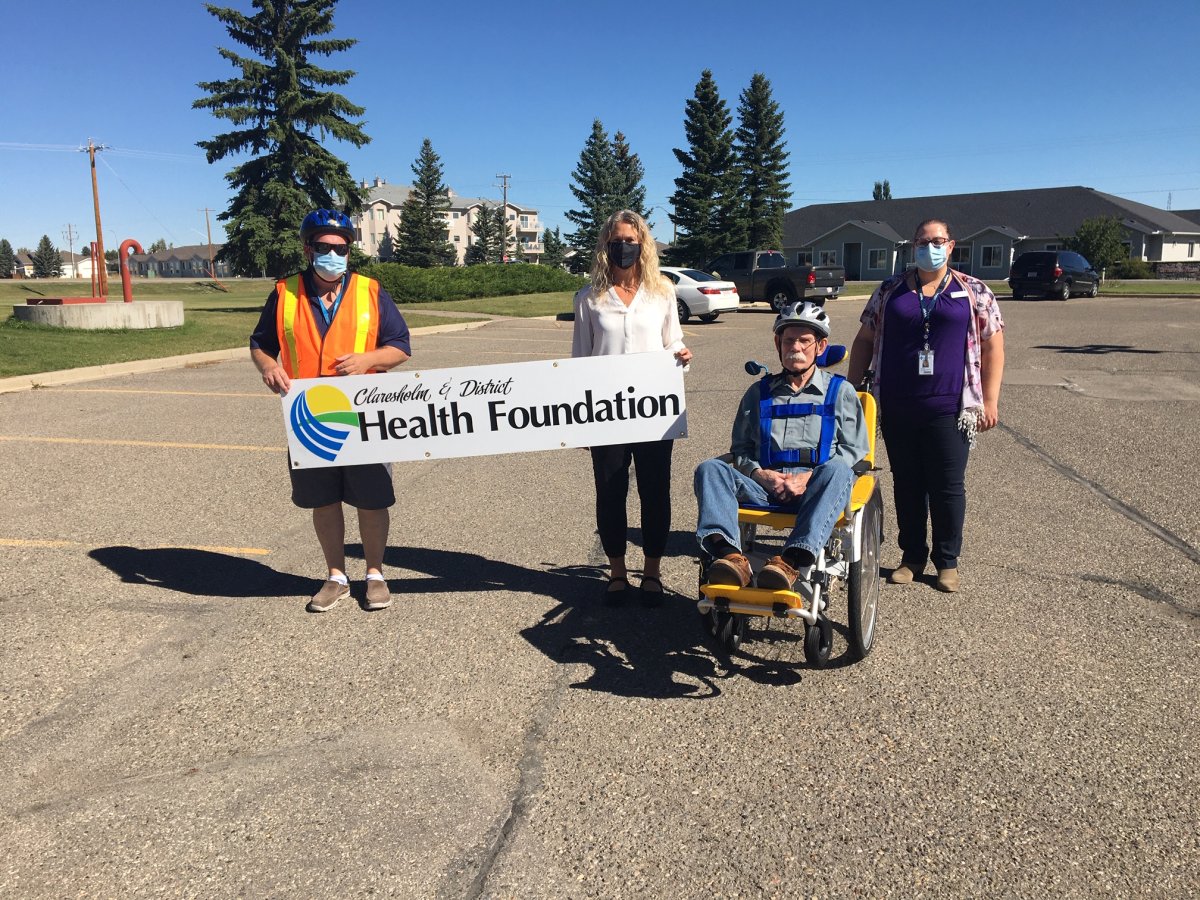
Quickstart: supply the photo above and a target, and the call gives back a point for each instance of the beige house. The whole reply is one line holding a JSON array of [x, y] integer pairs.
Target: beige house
[[381, 217]]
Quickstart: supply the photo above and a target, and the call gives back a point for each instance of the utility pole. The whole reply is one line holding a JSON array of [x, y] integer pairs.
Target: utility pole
[[69, 235], [101, 261], [504, 218], [212, 272]]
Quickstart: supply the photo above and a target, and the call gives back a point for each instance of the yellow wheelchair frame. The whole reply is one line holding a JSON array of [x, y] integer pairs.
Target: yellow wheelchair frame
[[851, 556]]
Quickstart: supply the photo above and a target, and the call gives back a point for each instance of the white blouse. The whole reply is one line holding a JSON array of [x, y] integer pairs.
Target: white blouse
[[604, 326]]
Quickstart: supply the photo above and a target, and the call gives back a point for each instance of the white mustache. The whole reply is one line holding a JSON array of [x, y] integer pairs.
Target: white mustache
[[793, 357]]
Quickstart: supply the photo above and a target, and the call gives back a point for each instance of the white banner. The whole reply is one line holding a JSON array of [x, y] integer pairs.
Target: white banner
[[481, 410]]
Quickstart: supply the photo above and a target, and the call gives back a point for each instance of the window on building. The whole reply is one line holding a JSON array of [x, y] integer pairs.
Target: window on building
[[512, 217], [524, 221], [1054, 246], [961, 257], [457, 239], [804, 257], [1191, 249], [454, 215], [827, 258], [992, 256], [876, 259], [378, 215]]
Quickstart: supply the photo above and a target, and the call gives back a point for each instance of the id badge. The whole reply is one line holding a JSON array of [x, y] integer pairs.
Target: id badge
[[924, 362]]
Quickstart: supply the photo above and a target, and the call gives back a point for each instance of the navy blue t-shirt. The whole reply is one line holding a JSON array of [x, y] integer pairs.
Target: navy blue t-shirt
[[904, 391], [393, 330]]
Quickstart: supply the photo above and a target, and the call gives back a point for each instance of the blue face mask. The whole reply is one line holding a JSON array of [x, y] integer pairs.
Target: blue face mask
[[931, 258], [329, 266]]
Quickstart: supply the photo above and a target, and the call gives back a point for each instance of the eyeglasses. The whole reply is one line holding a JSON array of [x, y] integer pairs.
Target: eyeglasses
[[804, 342], [324, 247], [937, 241]]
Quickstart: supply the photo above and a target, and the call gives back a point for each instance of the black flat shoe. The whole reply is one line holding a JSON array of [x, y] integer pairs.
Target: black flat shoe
[[618, 596], [651, 598]]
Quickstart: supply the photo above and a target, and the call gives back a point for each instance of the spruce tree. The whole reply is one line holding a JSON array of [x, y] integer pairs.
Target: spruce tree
[[484, 248], [597, 181], [8, 259], [506, 237], [554, 249], [46, 260], [707, 209], [281, 113], [763, 161], [423, 227], [631, 193]]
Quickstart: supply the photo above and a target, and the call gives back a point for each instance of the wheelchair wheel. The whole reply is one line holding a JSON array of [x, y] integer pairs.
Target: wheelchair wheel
[[731, 631], [818, 642], [862, 587]]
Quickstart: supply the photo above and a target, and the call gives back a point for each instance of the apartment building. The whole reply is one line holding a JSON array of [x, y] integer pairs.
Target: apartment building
[[381, 216]]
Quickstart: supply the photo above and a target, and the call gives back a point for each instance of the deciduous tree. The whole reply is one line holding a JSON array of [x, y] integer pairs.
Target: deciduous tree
[[423, 228], [707, 209], [883, 190], [160, 244], [282, 112], [763, 159], [1099, 241]]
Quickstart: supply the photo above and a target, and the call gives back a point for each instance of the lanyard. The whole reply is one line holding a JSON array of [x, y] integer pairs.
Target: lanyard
[[927, 312], [328, 314]]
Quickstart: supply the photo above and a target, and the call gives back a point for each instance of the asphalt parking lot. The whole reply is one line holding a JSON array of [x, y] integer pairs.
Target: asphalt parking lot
[[173, 723]]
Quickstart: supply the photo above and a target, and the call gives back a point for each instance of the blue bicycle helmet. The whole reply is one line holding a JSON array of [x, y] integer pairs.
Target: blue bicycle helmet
[[326, 221]]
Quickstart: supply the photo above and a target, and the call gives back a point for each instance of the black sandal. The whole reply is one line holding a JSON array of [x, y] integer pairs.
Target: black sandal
[[617, 597], [651, 598]]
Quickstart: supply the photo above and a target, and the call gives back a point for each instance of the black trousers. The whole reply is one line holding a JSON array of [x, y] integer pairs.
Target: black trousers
[[929, 471], [652, 466]]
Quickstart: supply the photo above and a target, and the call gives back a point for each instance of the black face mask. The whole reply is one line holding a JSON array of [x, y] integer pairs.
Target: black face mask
[[622, 254]]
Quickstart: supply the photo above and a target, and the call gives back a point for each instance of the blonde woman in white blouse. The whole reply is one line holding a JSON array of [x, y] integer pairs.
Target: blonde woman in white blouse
[[629, 308]]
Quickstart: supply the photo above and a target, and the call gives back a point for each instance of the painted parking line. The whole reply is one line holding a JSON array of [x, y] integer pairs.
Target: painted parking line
[[258, 395], [171, 445], [50, 545]]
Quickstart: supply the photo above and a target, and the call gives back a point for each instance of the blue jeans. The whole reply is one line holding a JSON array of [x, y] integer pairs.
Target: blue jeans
[[720, 488]]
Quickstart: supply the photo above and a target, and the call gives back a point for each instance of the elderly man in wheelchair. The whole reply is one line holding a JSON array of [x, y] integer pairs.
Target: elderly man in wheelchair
[[800, 459]]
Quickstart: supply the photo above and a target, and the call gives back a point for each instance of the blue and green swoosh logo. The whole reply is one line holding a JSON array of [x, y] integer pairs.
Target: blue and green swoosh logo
[[321, 420]]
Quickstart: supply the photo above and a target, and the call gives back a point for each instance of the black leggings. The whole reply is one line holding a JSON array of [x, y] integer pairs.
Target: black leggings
[[652, 465], [929, 471]]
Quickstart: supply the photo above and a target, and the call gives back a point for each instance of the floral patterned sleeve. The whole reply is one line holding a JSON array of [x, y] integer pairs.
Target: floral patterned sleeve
[[987, 311]]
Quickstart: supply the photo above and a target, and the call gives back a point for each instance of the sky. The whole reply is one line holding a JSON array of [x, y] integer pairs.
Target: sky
[[936, 98]]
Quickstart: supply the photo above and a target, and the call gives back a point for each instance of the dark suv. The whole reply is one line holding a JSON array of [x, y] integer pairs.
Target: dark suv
[[1052, 273]]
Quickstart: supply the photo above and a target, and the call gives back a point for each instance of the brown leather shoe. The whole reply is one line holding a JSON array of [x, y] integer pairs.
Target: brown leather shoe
[[732, 569], [947, 581], [777, 575]]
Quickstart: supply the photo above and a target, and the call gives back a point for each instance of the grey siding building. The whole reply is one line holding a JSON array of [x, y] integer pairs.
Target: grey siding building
[[872, 238]]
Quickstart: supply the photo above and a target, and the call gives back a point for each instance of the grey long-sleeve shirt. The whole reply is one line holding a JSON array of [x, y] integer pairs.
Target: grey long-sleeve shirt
[[850, 441]]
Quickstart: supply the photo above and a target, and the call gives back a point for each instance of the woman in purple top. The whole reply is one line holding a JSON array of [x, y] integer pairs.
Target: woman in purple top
[[937, 374]]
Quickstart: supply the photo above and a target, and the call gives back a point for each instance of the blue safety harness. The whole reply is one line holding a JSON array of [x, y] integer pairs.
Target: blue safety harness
[[768, 456]]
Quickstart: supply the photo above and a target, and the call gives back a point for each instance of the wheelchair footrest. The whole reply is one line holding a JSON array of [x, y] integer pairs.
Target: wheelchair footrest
[[752, 601]]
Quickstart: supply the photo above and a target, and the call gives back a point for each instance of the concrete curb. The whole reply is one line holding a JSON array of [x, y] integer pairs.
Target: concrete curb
[[141, 366]]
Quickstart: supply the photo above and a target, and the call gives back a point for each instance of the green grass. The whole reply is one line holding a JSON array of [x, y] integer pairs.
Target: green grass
[[524, 306], [213, 320]]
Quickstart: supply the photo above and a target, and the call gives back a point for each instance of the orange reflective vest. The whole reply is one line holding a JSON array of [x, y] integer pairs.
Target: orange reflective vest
[[303, 353]]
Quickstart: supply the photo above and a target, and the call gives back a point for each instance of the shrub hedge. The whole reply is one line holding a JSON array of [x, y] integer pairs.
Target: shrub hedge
[[407, 284]]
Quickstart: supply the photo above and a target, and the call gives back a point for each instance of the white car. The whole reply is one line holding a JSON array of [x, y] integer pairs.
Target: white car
[[700, 294]]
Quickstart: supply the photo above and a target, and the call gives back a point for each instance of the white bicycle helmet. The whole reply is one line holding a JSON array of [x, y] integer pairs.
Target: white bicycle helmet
[[803, 313]]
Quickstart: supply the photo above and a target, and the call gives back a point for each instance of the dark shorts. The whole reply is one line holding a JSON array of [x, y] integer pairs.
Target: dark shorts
[[363, 487]]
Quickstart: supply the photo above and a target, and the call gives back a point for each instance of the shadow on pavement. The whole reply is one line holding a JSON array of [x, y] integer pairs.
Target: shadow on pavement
[[633, 650], [201, 572]]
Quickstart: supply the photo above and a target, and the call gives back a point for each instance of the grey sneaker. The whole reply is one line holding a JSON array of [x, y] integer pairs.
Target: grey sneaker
[[377, 595], [328, 596]]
